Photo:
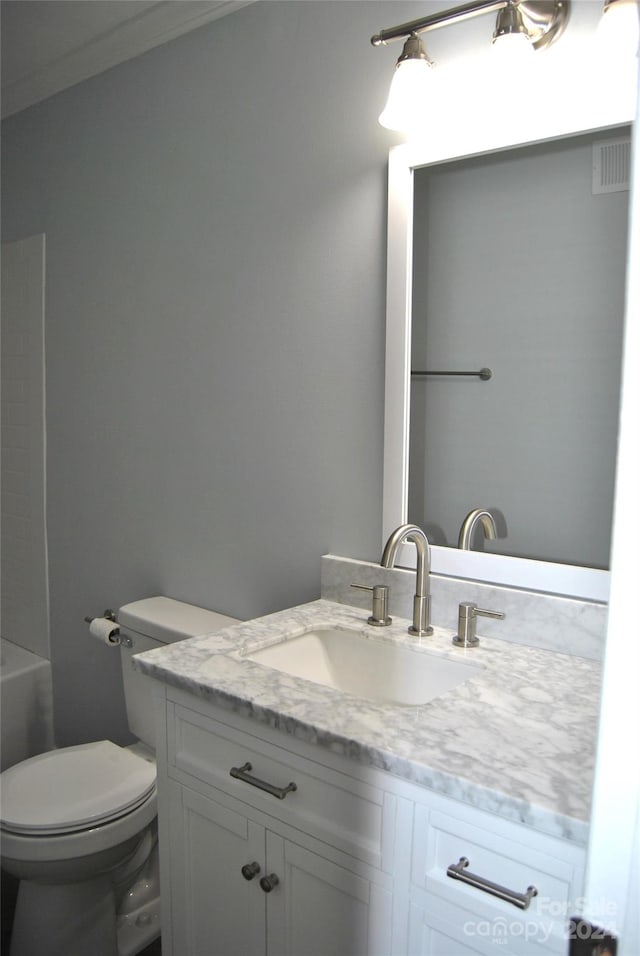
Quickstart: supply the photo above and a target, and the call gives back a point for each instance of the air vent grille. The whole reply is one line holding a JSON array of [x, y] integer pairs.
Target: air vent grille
[[611, 166]]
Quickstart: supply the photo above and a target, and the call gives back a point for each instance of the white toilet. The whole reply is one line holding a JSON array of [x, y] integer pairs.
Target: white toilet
[[78, 823]]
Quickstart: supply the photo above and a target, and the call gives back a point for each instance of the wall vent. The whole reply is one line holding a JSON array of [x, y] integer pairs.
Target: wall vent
[[611, 166]]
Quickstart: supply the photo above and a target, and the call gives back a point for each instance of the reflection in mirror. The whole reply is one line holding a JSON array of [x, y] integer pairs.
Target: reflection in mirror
[[519, 266], [476, 520]]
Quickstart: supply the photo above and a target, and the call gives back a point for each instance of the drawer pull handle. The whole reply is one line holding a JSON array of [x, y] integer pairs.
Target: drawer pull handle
[[458, 871], [249, 870], [242, 773], [267, 883]]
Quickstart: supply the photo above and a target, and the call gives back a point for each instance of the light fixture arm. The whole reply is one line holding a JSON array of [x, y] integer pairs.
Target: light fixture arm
[[545, 20], [435, 20]]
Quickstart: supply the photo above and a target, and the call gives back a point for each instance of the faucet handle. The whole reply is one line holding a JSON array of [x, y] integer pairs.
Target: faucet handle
[[467, 614], [379, 616]]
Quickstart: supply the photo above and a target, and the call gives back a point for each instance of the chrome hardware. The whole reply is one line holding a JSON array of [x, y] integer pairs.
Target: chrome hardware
[[544, 20], [458, 871], [422, 599], [267, 883], [484, 373], [108, 614], [249, 870], [379, 616], [467, 614], [241, 773], [485, 518]]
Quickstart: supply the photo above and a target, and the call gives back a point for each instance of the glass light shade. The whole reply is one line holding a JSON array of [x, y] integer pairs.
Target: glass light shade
[[619, 29], [511, 47], [408, 94]]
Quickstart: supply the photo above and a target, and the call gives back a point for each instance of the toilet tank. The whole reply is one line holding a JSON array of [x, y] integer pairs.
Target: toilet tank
[[148, 624]]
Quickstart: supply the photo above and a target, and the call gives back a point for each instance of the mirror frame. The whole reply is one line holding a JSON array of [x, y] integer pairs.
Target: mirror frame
[[447, 146]]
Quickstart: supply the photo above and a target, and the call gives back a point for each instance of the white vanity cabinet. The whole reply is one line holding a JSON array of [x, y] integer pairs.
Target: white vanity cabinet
[[360, 857], [324, 843], [541, 876], [317, 907]]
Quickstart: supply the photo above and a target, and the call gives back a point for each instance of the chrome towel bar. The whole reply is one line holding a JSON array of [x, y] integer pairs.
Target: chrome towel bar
[[484, 373]]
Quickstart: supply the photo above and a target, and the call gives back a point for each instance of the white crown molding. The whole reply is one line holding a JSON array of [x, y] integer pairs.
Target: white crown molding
[[157, 24]]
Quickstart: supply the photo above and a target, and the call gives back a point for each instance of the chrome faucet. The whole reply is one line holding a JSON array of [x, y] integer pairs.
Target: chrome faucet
[[481, 516], [422, 599]]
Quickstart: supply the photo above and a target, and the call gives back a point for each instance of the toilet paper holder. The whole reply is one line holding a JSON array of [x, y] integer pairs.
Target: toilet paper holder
[[110, 615]]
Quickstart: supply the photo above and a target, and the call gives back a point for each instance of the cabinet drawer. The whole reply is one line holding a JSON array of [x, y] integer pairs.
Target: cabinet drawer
[[339, 810], [508, 856]]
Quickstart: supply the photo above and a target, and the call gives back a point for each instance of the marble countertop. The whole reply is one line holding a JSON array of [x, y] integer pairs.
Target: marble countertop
[[517, 739]]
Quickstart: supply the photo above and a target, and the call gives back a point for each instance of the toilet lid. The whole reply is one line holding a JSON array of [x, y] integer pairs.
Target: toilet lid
[[74, 788]]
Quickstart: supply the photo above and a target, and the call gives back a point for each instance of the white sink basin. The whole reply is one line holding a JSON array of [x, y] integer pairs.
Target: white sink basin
[[376, 670]]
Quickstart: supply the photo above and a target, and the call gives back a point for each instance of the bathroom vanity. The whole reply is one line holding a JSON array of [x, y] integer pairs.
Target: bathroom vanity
[[296, 818]]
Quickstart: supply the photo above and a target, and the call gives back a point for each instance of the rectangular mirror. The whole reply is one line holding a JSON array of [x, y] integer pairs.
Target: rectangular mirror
[[519, 261], [569, 569]]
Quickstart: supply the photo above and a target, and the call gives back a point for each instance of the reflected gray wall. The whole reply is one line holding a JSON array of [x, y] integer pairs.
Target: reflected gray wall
[[519, 267]]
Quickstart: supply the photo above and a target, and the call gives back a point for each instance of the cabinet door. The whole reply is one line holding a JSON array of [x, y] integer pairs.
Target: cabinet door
[[431, 937], [320, 908], [440, 929], [215, 909]]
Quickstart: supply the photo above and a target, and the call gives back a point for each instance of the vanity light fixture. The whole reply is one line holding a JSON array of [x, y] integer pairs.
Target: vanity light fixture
[[511, 36], [409, 86], [521, 24]]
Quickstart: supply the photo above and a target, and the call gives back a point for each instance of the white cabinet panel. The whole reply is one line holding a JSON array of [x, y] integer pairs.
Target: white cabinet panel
[[215, 910], [502, 853], [321, 908], [325, 804], [315, 907], [439, 928], [428, 936]]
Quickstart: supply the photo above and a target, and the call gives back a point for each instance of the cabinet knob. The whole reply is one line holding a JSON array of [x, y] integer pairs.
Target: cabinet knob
[[249, 870], [267, 883]]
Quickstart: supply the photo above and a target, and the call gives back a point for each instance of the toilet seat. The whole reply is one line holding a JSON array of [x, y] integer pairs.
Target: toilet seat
[[74, 789]]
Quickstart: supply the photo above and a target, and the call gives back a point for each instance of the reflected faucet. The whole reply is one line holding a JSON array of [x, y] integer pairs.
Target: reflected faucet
[[485, 518], [422, 599]]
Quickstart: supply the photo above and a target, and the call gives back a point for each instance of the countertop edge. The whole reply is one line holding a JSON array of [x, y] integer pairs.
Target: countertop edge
[[514, 808]]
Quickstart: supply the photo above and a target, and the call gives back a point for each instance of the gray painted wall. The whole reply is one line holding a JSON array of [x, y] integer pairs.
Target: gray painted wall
[[215, 222], [215, 214], [24, 597]]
